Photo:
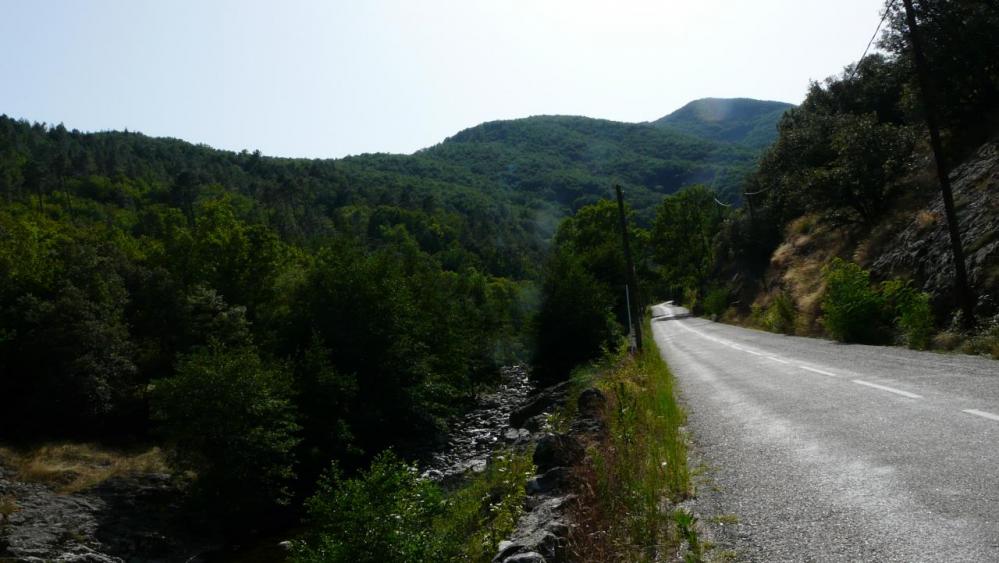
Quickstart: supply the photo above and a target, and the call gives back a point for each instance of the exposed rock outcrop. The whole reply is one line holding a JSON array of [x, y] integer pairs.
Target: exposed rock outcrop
[[132, 518], [921, 251]]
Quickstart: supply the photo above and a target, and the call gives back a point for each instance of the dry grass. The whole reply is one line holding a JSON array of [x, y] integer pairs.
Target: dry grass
[[8, 506], [947, 341], [926, 219], [69, 468]]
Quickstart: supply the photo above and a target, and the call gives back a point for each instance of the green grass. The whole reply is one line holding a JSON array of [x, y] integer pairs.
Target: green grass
[[725, 519], [485, 510], [637, 475]]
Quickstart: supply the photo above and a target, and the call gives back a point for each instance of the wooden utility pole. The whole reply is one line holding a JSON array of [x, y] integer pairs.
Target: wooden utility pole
[[964, 296], [634, 302]]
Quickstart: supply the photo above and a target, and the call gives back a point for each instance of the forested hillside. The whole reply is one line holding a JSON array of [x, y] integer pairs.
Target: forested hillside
[[738, 120], [262, 316]]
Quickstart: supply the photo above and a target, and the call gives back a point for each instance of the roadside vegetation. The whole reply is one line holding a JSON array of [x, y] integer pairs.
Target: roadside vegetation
[[388, 513], [634, 479]]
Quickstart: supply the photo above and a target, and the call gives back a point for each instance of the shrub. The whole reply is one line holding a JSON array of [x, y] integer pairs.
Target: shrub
[[780, 314], [715, 302], [691, 298], [947, 340], [385, 514], [985, 342], [852, 309], [912, 312]]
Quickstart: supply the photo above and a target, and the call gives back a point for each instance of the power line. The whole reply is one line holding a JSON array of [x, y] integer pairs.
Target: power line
[[856, 67]]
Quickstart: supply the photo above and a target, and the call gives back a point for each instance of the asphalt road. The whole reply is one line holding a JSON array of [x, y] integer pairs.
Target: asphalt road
[[818, 451]]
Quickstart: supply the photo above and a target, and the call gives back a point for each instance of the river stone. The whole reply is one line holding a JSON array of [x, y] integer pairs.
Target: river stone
[[544, 401], [529, 557]]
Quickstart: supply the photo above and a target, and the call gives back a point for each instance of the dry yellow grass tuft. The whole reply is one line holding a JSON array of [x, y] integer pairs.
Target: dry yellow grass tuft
[[70, 468], [8, 506], [926, 219]]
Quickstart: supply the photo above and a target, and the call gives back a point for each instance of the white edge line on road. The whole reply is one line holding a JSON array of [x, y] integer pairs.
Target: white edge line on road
[[982, 414], [888, 389], [819, 371], [778, 360]]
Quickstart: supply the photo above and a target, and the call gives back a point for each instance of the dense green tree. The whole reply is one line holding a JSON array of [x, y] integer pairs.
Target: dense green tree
[[231, 420], [683, 238], [576, 321]]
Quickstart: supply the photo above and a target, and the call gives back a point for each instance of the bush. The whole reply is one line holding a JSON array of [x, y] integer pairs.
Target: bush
[[852, 309], [716, 302], [947, 340], [912, 312], [229, 419], [780, 314], [985, 342], [385, 514]]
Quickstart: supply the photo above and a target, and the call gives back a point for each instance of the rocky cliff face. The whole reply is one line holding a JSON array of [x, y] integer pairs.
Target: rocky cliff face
[[911, 243], [921, 250]]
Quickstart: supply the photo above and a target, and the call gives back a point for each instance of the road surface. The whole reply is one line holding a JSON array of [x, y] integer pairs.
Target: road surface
[[819, 451]]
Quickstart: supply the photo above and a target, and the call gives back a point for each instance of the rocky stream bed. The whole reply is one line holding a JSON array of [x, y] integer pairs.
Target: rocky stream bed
[[139, 517]]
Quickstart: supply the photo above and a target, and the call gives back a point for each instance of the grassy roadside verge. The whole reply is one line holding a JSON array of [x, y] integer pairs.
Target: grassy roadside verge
[[635, 477]]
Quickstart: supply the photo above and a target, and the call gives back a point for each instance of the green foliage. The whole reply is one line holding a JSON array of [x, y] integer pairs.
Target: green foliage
[[986, 341], [575, 323], [853, 311], [683, 238], [385, 514], [912, 311], [780, 314], [634, 479], [484, 511], [961, 49], [231, 421], [388, 514], [716, 302]]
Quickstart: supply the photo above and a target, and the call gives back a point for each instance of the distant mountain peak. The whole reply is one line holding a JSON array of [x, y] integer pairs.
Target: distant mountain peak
[[735, 120]]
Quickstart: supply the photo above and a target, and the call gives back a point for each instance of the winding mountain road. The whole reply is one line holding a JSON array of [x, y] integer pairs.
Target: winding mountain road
[[818, 451]]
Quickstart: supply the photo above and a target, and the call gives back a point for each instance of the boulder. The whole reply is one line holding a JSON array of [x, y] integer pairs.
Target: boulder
[[551, 480], [557, 450]]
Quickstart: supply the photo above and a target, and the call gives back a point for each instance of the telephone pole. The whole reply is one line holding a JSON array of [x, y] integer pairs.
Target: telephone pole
[[634, 303], [965, 299]]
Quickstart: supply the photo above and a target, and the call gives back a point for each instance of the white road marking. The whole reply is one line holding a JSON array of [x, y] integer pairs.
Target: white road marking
[[982, 414], [888, 389], [819, 371], [778, 360]]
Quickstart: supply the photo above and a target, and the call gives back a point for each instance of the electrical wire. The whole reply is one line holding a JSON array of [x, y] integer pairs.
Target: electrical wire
[[856, 67]]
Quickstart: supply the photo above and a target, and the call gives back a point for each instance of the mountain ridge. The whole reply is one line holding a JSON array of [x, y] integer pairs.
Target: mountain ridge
[[745, 121]]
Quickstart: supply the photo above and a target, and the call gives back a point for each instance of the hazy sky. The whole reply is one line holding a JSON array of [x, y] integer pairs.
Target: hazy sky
[[337, 77]]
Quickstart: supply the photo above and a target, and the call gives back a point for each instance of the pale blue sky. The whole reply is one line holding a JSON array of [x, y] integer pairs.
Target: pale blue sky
[[336, 77]]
